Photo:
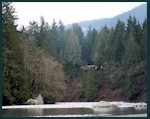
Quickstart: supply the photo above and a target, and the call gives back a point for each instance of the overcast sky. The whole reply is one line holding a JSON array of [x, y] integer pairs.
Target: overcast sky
[[69, 12]]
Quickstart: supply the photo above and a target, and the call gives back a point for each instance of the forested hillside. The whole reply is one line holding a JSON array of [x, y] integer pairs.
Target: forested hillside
[[139, 12], [64, 65]]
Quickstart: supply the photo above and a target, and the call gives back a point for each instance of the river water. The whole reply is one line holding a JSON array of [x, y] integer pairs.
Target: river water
[[76, 110]]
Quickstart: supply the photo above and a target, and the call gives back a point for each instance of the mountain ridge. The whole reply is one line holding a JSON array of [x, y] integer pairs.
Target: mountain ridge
[[140, 13]]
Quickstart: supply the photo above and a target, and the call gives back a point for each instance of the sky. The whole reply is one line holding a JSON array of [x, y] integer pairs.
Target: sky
[[69, 12]]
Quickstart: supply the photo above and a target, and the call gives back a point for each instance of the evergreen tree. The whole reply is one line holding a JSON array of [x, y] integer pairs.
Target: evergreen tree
[[118, 42], [100, 45], [138, 32], [79, 33], [88, 45], [55, 38], [90, 89], [43, 39], [61, 38], [33, 28], [15, 79], [73, 49], [143, 41], [132, 52]]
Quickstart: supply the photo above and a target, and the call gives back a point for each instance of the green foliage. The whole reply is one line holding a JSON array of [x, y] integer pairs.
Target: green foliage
[[43, 37], [87, 46], [72, 71], [72, 51], [101, 44], [131, 89], [90, 89], [132, 53], [119, 39], [15, 78], [46, 59], [143, 42]]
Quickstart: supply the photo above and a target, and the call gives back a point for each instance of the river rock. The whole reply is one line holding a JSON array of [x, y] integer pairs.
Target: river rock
[[103, 104], [36, 101], [104, 107]]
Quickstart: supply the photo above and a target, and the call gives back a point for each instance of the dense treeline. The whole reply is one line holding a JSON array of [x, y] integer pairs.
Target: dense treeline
[[15, 80], [49, 59]]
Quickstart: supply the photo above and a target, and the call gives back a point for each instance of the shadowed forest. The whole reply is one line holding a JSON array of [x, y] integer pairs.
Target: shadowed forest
[[67, 65]]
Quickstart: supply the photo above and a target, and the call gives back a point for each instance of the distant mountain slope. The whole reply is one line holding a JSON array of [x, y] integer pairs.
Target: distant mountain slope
[[139, 12]]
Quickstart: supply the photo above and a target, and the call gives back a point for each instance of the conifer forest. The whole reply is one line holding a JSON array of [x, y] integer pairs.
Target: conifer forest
[[65, 64]]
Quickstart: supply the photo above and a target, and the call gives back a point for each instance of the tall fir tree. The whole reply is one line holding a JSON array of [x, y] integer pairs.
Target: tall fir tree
[[15, 79], [119, 40]]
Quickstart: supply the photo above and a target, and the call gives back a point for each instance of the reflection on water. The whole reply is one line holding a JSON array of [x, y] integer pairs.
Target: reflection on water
[[44, 112], [119, 111], [68, 111]]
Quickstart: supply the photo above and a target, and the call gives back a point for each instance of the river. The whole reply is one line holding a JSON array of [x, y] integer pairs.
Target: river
[[70, 109]]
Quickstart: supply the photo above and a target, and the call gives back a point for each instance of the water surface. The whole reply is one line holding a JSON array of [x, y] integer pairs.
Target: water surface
[[67, 111]]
